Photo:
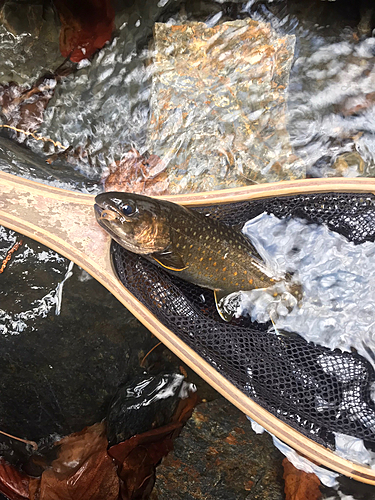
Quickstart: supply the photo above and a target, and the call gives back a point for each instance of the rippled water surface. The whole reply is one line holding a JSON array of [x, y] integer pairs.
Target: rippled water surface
[[103, 109], [337, 278], [308, 111]]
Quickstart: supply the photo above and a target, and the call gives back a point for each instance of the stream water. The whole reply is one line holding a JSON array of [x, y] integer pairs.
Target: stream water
[[103, 110]]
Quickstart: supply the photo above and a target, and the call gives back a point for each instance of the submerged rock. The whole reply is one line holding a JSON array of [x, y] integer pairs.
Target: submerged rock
[[66, 344], [29, 33], [145, 403], [219, 457], [218, 103]]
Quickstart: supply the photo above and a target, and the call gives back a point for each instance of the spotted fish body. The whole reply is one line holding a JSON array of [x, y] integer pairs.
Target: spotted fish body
[[214, 255], [185, 242]]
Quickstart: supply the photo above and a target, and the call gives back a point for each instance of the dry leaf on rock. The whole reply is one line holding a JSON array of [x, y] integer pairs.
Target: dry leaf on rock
[[138, 174], [83, 470], [300, 485]]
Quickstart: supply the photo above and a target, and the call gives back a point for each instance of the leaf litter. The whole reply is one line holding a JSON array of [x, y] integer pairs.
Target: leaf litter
[[86, 469]]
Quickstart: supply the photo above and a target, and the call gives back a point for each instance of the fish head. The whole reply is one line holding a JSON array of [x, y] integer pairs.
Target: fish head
[[136, 222]]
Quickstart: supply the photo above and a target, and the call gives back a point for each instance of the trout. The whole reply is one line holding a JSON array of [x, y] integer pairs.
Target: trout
[[184, 242]]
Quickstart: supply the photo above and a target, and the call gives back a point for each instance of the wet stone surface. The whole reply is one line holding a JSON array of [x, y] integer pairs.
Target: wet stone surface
[[219, 457], [30, 29], [59, 372]]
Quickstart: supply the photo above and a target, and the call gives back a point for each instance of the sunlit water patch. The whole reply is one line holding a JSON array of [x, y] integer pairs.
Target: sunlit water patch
[[104, 109]]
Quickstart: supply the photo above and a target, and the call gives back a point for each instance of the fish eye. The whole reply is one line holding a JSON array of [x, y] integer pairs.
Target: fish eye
[[127, 209]]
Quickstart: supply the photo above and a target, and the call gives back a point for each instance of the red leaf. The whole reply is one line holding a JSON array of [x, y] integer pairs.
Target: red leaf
[[86, 25], [13, 483], [83, 470], [300, 485]]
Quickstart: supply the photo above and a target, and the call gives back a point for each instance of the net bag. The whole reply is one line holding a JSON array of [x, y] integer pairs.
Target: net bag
[[315, 390]]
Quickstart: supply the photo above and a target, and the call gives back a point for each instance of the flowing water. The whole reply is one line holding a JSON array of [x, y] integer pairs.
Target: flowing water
[[337, 279], [103, 110]]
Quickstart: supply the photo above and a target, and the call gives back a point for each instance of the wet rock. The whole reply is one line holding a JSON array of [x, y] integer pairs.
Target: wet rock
[[59, 370], [219, 457], [16, 159], [349, 165], [27, 18], [145, 403]]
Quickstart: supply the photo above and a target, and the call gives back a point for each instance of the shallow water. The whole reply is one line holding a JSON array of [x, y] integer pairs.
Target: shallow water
[[330, 111], [103, 110]]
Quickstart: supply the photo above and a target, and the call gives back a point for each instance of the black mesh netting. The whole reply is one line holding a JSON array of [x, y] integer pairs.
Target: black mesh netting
[[314, 389]]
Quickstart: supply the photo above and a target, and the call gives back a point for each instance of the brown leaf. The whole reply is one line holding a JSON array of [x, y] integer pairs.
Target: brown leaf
[[83, 470], [137, 174], [86, 25], [13, 483], [23, 108], [300, 485]]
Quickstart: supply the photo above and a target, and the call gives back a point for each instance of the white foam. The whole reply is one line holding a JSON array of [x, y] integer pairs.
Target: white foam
[[338, 280]]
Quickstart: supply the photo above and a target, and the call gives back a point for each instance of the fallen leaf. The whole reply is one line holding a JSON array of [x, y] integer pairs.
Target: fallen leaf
[[23, 107], [138, 174], [83, 470], [86, 26], [13, 483], [300, 485]]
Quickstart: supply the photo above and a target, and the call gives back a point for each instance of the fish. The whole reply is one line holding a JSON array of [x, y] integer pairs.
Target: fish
[[186, 243]]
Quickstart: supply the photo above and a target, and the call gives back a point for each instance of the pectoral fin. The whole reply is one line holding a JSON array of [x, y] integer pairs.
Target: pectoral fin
[[170, 261], [224, 313]]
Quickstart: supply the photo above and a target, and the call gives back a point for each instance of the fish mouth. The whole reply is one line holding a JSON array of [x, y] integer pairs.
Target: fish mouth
[[98, 210], [106, 212], [104, 217]]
